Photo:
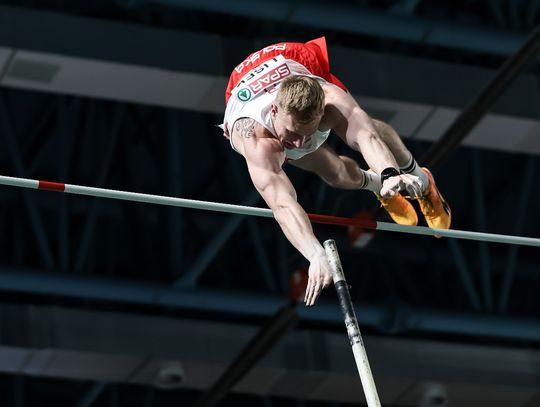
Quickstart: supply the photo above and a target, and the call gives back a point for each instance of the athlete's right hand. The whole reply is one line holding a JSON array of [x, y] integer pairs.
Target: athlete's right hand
[[408, 183], [320, 277]]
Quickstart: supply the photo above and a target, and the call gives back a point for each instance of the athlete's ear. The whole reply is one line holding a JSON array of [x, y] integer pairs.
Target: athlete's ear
[[274, 110]]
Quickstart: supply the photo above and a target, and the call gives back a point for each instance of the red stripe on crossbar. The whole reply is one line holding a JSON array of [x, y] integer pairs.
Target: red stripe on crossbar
[[52, 186], [336, 220]]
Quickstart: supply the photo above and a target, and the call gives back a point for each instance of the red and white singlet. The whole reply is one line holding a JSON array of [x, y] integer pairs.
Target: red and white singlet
[[253, 83]]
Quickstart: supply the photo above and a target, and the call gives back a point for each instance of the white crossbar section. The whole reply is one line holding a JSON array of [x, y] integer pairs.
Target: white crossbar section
[[262, 212]]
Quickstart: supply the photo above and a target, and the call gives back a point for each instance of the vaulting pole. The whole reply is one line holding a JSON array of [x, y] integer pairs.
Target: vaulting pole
[[357, 344]]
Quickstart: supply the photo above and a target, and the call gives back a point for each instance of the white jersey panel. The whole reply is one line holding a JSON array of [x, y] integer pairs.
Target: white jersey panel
[[253, 97]]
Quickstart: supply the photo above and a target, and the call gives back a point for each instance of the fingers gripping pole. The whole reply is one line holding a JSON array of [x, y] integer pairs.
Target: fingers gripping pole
[[351, 323]]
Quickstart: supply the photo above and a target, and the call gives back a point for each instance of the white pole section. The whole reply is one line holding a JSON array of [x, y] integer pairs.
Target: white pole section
[[351, 323]]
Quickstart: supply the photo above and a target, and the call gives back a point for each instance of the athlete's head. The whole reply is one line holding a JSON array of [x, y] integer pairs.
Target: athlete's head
[[297, 110]]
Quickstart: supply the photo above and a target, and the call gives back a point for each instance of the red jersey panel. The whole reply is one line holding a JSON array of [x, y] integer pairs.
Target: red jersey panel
[[312, 54]]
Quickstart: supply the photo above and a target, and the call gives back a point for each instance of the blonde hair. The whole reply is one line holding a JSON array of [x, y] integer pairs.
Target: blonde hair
[[301, 96]]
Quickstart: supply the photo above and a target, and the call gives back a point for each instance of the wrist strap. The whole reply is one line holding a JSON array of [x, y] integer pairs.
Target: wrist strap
[[388, 173]]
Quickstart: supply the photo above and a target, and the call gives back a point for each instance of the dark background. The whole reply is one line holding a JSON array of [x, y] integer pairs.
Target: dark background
[[128, 269]]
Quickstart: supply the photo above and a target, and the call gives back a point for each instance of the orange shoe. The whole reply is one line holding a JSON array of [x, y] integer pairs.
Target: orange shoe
[[400, 210], [433, 206]]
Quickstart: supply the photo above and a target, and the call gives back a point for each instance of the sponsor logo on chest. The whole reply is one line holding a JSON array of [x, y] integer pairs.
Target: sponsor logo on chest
[[269, 78]]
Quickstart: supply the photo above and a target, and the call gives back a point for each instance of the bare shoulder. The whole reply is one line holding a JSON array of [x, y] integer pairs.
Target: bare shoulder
[[338, 109], [245, 127], [252, 140], [244, 131], [334, 94]]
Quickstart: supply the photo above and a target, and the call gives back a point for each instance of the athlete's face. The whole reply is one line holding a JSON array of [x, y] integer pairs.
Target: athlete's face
[[289, 131]]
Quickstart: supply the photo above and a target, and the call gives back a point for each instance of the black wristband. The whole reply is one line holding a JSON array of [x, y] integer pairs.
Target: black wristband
[[388, 173]]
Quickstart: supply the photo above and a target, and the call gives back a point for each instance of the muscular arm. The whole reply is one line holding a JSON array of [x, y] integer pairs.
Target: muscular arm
[[264, 157], [355, 127]]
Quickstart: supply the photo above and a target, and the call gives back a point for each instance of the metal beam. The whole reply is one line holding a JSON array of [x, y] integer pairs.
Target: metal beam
[[174, 177], [477, 108], [508, 277], [66, 123], [35, 219], [92, 394], [265, 339], [480, 217], [37, 133], [262, 256], [213, 247], [105, 166], [465, 275], [260, 250], [357, 20], [384, 318]]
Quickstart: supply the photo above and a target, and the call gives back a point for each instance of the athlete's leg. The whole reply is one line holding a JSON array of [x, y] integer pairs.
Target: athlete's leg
[[435, 209], [402, 155], [338, 171], [343, 172]]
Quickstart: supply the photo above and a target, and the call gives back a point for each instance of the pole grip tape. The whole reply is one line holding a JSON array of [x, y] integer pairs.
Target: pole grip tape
[[348, 312]]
